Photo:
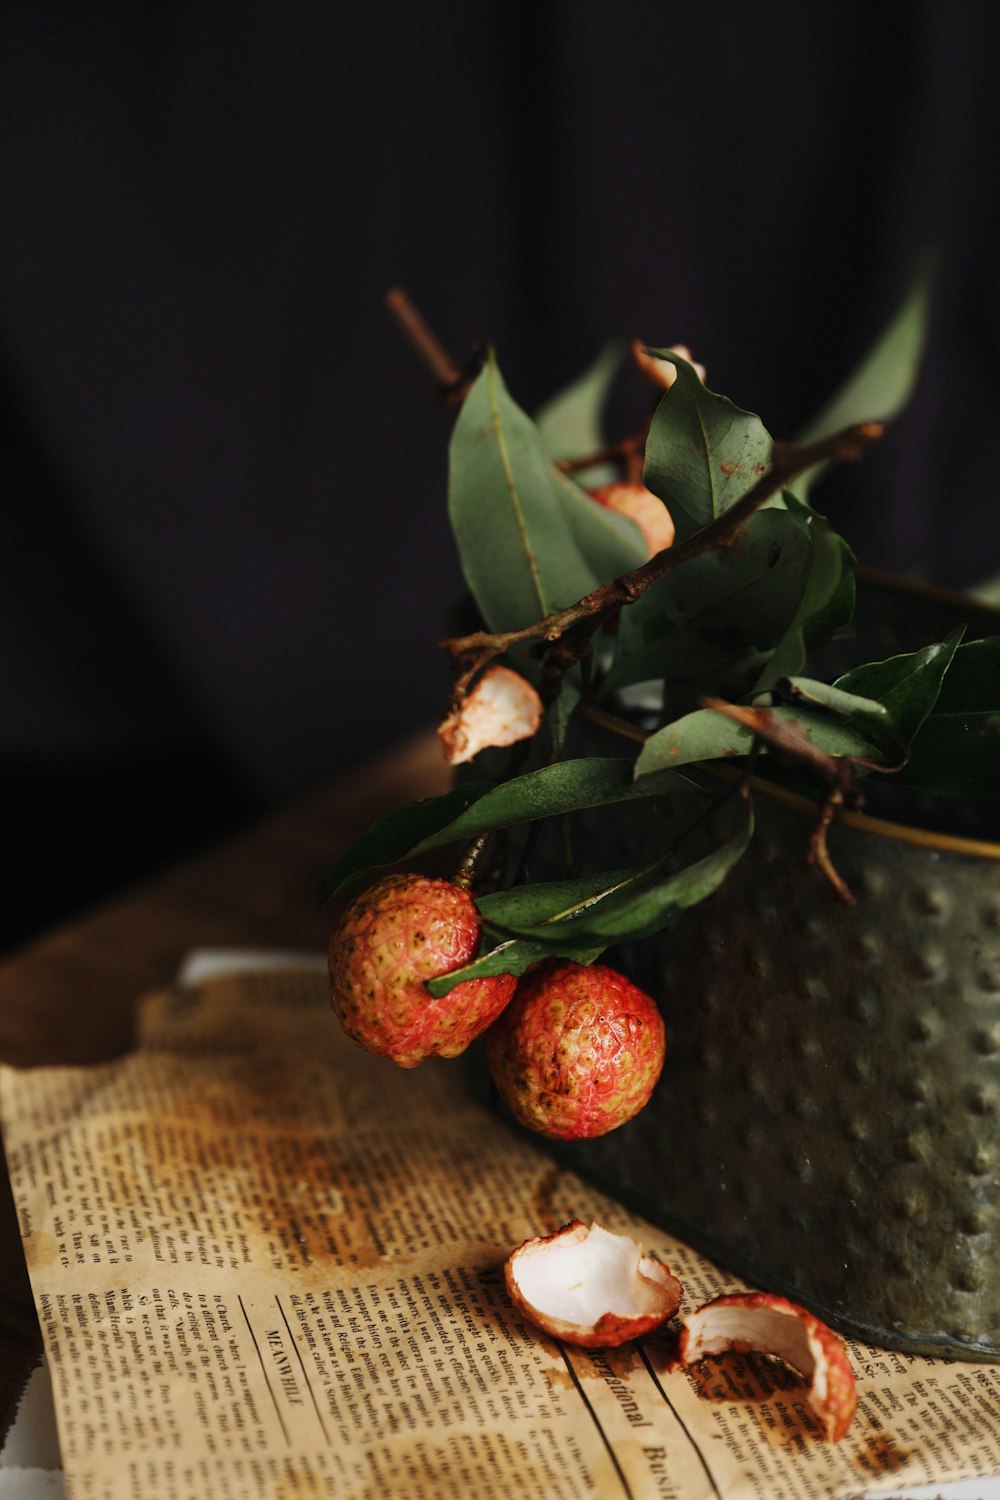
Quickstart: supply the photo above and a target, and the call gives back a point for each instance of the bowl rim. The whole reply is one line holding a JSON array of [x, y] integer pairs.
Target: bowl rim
[[903, 833], [884, 828]]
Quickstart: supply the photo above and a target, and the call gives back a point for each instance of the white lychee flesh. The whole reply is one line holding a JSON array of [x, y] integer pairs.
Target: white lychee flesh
[[771, 1325], [591, 1287], [501, 709]]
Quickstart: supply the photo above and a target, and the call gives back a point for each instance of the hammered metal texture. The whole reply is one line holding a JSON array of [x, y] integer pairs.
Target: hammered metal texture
[[828, 1120]]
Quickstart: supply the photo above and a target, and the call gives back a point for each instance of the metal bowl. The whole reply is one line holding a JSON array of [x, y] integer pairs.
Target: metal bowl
[[827, 1125]]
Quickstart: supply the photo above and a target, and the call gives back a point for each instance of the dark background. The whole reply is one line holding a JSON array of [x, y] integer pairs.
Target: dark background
[[224, 559]]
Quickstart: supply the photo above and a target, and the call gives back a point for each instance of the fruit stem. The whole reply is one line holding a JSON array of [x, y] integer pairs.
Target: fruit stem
[[465, 874]]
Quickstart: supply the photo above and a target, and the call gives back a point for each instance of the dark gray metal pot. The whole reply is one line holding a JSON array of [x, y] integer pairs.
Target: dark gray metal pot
[[828, 1121]]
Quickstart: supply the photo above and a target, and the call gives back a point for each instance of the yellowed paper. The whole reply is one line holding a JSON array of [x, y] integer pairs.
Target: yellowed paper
[[267, 1264]]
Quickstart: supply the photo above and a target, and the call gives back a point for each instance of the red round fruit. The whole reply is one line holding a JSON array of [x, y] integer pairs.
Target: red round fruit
[[578, 1050], [391, 940]]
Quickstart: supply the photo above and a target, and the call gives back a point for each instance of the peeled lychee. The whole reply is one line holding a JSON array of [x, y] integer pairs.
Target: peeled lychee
[[660, 371], [501, 709], [590, 1287], [767, 1324], [391, 940], [643, 508], [578, 1050]]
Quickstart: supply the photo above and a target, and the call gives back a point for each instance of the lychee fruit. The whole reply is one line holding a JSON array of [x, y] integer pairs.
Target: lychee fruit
[[391, 940], [643, 508], [578, 1050]]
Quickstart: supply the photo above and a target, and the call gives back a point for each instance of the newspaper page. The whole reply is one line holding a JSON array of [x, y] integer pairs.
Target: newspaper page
[[268, 1264]]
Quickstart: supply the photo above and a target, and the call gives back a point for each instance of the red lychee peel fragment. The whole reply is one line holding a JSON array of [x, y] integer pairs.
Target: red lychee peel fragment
[[391, 940], [760, 1323], [590, 1287], [501, 709]]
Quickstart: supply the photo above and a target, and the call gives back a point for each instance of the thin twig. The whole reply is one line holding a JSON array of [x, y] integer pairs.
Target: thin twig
[[619, 452], [835, 773], [819, 854], [450, 379]]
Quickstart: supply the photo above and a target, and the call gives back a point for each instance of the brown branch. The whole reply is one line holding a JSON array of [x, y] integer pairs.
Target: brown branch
[[571, 630], [619, 452], [833, 772], [451, 380], [819, 854]]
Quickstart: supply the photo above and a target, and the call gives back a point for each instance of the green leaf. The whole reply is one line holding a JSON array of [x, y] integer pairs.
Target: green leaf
[[707, 735], [639, 903], [523, 906], [717, 607], [571, 423], [579, 919], [866, 716], [827, 600], [908, 685], [701, 735], [957, 751], [883, 382], [399, 833], [956, 755], [469, 810], [529, 906], [973, 679], [703, 453], [560, 712], [513, 956], [517, 548]]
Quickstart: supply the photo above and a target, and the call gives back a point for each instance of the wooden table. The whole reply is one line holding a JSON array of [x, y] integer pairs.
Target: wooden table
[[70, 997]]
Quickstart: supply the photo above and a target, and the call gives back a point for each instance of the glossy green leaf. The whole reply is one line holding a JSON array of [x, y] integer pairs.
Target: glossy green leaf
[[957, 751], [827, 600], [528, 906], [463, 814], [703, 453], [956, 755], [560, 712], [400, 833], [717, 607], [644, 901], [571, 423], [883, 382], [972, 683], [908, 685], [513, 956], [866, 716], [707, 735], [580, 919], [518, 551], [523, 906]]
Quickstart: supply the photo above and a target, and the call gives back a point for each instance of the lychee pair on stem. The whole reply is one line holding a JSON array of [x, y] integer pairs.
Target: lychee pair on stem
[[574, 1051]]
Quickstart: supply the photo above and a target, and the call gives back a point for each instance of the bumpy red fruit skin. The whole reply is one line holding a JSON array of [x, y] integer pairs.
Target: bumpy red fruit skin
[[577, 1052], [391, 940]]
